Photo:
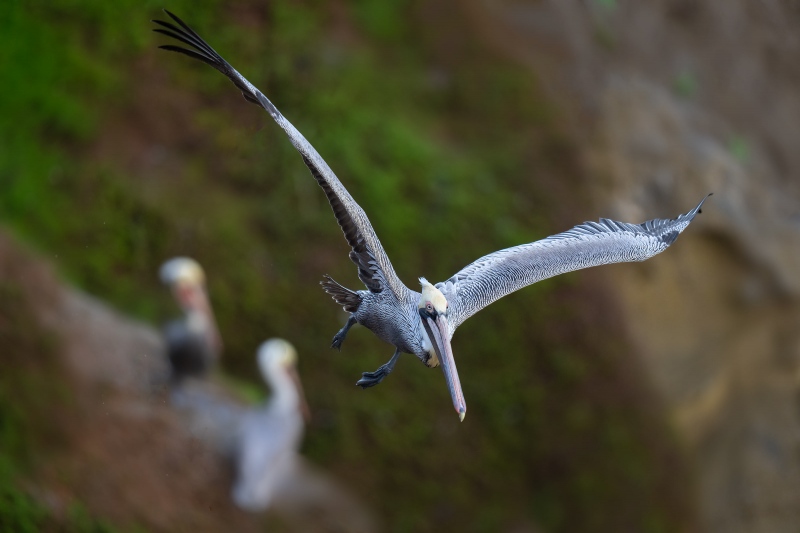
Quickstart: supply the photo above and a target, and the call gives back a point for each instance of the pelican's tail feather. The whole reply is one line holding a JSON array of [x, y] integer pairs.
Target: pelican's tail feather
[[349, 300]]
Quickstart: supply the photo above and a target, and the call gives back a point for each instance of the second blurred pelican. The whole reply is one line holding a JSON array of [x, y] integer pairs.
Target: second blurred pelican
[[269, 436], [193, 342]]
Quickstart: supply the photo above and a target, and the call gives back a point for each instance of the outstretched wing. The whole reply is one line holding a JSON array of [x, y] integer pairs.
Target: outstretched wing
[[590, 244], [374, 268]]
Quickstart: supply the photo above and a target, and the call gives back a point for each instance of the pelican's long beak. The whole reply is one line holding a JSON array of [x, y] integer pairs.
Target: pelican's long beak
[[306, 412], [214, 336], [440, 338], [195, 298]]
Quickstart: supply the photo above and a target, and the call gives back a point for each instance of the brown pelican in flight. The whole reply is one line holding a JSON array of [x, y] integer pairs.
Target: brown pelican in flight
[[193, 342], [423, 323], [269, 436]]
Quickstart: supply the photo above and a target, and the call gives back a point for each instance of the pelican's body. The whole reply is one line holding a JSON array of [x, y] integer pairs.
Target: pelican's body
[[423, 323], [269, 436], [193, 341]]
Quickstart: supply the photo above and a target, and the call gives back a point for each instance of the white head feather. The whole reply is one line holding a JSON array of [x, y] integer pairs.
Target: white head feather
[[274, 355], [180, 270], [432, 295]]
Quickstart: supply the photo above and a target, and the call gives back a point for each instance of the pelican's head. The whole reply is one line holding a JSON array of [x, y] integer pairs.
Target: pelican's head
[[432, 300], [276, 355], [433, 311], [182, 271], [277, 360]]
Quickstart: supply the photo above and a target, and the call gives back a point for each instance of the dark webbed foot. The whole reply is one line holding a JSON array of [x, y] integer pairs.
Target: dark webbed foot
[[338, 339], [370, 379]]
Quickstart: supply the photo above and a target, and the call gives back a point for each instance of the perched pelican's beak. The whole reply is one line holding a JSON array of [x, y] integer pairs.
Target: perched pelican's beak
[[193, 297], [291, 370], [436, 326]]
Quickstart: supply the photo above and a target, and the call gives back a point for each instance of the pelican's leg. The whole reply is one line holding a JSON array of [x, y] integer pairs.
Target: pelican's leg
[[370, 379], [338, 339]]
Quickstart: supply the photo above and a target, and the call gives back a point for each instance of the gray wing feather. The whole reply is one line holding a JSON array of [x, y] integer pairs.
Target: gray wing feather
[[589, 244], [374, 268]]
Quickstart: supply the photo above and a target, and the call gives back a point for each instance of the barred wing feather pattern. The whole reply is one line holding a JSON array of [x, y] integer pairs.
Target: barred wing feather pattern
[[589, 244]]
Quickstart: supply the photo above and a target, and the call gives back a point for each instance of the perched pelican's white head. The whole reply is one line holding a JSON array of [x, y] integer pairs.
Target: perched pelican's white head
[[433, 309], [277, 360], [275, 355], [181, 270]]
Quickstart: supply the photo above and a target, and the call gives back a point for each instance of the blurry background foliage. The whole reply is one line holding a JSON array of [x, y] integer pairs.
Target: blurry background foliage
[[452, 152]]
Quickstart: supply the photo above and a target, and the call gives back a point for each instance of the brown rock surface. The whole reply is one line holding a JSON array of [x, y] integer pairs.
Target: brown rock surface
[[671, 100], [128, 455]]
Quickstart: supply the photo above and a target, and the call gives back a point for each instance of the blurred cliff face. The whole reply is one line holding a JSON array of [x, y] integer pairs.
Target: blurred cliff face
[[511, 119], [672, 99], [135, 157]]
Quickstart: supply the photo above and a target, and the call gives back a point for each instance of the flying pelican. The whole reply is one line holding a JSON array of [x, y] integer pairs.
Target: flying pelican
[[268, 438], [424, 323], [193, 342]]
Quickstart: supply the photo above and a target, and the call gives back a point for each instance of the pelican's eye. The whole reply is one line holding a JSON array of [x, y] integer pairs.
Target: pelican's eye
[[429, 307]]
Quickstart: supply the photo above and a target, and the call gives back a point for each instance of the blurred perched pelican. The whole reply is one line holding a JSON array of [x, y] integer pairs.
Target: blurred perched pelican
[[269, 436], [193, 342], [424, 323]]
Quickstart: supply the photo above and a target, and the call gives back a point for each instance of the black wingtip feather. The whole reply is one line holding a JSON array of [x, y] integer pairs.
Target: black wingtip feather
[[175, 17], [190, 53], [188, 36], [700, 209], [202, 51]]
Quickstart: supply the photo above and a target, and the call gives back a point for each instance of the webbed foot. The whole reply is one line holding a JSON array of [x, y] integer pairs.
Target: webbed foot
[[338, 339], [370, 379]]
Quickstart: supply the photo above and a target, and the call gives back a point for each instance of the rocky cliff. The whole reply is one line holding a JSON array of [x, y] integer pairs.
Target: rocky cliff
[[670, 100]]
